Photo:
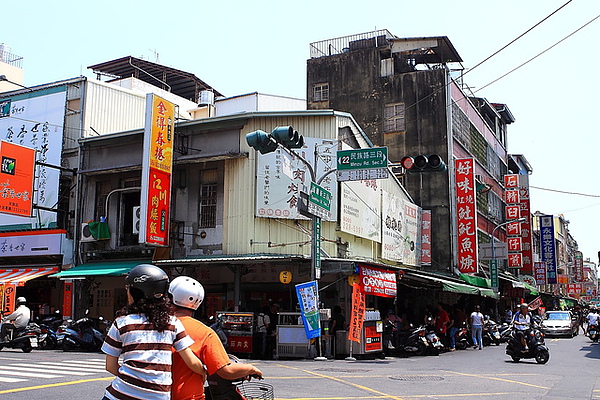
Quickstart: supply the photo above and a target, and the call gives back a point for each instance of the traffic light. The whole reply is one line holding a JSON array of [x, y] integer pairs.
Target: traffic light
[[267, 142], [261, 141], [423, 163]]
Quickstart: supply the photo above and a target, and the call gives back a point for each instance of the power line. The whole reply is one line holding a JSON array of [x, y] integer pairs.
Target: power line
[[566, 192]]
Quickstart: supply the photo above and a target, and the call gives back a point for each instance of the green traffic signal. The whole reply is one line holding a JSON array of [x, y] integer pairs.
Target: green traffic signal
[[261, 141]]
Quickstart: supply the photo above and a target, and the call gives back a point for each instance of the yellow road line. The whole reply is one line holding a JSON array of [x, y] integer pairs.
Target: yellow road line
[[54, 385], [367, 389], [407, 397], [499, 379]]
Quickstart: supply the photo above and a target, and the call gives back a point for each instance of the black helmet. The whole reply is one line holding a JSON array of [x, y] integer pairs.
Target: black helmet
[[148, 281]]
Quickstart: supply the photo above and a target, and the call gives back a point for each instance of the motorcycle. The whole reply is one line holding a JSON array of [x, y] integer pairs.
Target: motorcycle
[[462, 338], [223, 389], [504, 330], [80, 334], [490, 334], [47, 339], [592, 332], [535, 342], [413, 341], [25, 338]]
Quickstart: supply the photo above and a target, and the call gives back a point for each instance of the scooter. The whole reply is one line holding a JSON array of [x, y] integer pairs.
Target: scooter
[[490, 334], [80, 335], [413, 341], [462, 338], [504, 330], [25, 339], [592, 332], [242, 389], [47, 339], [535, 342]]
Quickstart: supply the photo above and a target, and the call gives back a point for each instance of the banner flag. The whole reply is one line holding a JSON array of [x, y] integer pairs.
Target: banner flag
[[357, 316]]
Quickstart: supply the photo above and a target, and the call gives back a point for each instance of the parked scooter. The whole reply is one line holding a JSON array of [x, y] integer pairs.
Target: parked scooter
[[80, 335], [490, 334], [25, 339], [505, 330], [47, 339], [462, 338], [535, 342], [412, 341], [592, 332]]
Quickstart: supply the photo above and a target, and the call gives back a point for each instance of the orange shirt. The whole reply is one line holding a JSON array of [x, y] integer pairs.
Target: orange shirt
[[188, 385]]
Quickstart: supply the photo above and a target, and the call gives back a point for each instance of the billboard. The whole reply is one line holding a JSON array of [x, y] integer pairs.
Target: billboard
[[466, 215], [548, 247], [361, 209], [36, 120], [16, 179], [157, 165], [401, 230]]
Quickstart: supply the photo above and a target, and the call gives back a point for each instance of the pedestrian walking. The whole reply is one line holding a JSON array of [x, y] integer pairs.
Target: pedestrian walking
[[476, 322], [143, 334]]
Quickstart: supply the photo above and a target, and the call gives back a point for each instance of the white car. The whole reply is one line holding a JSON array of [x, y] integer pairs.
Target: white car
[[559, 323]]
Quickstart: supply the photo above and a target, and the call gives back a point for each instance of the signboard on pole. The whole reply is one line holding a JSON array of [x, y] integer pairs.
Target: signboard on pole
[[494, 274], [548, 246], [319, 201], [308, 298], [16, 176], [375, 157]]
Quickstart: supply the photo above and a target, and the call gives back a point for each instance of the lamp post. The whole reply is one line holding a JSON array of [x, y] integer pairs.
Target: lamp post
[[493, 261]]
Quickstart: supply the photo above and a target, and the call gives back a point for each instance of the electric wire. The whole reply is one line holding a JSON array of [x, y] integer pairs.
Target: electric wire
[[565, 192]]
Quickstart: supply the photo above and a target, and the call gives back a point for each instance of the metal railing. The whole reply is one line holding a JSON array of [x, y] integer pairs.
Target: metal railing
[[339, 45], [10, 58]]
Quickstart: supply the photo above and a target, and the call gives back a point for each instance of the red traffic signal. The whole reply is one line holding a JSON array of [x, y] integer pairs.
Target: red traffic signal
[[423, 163]]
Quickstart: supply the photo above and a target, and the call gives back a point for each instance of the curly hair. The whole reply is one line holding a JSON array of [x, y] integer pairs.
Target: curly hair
[[157, 311]]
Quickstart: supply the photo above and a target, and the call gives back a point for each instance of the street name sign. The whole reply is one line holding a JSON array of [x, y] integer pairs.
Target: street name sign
[[375, 157]]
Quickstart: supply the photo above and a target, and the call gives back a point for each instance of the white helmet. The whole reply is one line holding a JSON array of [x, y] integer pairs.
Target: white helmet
[[21, 300], [187, 292]]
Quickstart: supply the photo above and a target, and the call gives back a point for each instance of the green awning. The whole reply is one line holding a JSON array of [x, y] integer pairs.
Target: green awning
[[532, 290], [113, 268], [476, 280], [459, 288], [488, 293]]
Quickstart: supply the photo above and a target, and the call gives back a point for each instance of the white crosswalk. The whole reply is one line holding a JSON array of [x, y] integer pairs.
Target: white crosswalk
[[16, 370]]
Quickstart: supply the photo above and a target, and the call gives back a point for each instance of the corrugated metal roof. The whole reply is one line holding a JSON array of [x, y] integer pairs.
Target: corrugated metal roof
[[181, 83]]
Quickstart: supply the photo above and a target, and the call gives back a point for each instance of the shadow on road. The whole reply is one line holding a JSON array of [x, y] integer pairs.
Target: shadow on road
[[593, 350]]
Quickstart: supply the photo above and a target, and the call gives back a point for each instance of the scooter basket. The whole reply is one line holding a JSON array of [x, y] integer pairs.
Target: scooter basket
[[255, 390]]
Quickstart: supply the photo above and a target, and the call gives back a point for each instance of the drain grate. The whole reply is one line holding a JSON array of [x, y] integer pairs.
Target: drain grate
[[417, 378], [342, 370]]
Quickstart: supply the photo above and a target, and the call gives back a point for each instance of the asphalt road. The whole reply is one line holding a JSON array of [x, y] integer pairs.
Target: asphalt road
[[571, 373]]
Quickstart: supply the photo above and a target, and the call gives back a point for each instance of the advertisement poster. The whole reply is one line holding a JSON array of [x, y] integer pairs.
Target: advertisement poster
[[357, 315], [281, 177], [36, 121], [401, 230], [361, 209], [16, 179], [157, 167], [377, 281], [308, 298], [466, 215]]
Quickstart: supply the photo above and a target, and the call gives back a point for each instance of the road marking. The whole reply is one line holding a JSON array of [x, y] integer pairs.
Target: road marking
[[498, 379], [54, 368], [11, 380], [381, 394], [13, 372], [68, 366], [55, 385]]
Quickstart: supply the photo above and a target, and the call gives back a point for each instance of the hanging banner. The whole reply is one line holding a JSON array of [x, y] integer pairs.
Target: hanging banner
[[578, 266], [466, 218], [526, 229], [535, 303], [377, 281], [67, 304], [308, 298], [357, 315], [548, 246], [8, 297]]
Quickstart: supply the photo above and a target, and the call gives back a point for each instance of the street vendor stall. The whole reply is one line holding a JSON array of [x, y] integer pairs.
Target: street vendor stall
[[238, 327]]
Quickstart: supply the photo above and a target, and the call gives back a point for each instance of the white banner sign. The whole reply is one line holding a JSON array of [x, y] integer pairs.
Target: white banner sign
[[361, 209], [401, 231]]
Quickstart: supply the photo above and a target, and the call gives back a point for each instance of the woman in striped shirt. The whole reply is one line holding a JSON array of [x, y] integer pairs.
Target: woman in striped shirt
[[143, 335]]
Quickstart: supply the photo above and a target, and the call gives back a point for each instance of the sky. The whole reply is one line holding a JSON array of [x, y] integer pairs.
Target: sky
[[240, 47]]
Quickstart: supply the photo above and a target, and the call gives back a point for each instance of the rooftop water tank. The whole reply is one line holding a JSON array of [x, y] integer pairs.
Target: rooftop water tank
[[206, 97]]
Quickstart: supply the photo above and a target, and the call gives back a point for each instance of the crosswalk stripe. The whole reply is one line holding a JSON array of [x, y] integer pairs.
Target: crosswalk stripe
[[72, 367], [11, 380], [59, 370], [12, 372], [88, 362]]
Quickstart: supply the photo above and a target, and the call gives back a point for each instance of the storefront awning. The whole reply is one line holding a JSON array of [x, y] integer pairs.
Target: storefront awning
[[20, 275], [452, 286], [113, 268]]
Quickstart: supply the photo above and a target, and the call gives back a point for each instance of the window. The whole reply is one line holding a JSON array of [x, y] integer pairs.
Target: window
[[393, 117], [321, 92], [207, 199]]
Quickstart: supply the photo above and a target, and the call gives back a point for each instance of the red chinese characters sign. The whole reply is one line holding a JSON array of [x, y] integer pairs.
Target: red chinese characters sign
[[377, 281], [466, 218], [540, 273], [156, 171], [16, 179], [357, 315], [426, 237]]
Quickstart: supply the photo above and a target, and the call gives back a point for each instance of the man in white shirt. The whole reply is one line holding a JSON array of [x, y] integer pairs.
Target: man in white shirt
[[593, 317], [522, 323], [17, 320]]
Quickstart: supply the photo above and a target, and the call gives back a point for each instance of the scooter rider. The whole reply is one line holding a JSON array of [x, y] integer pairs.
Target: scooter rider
[[522, 323], [17, 320], [187, 295], [592, 318]]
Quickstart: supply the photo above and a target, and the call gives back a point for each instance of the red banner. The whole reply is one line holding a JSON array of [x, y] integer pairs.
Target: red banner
[[17, 165], [466, 217], [67, 299], [357, 315]]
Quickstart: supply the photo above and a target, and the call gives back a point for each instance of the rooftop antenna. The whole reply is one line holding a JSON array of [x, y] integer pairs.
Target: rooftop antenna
[[156, 56]]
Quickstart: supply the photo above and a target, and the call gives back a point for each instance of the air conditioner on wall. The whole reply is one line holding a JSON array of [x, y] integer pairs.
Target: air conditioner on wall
[[136, 219], [86, 234]]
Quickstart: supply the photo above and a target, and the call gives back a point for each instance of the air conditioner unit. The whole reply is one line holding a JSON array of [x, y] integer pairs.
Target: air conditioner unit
[[136, 219], [86, 234]]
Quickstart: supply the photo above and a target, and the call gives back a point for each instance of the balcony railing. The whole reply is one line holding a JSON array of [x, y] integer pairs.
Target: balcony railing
[[339, 45], [10, 58]]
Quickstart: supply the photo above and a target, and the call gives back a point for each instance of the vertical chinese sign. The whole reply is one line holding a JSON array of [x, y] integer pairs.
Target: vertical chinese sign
[[426, 237], [526, 237], [466, 215], [16, 179], [578, 266], [156, 171], [357, 315], [513, 229], [540, 273], [548, 248]]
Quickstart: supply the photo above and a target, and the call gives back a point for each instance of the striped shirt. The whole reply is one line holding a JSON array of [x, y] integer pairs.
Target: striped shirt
[[145, 372]]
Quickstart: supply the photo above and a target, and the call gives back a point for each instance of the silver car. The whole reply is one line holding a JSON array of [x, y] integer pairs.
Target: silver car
[[559, 323]]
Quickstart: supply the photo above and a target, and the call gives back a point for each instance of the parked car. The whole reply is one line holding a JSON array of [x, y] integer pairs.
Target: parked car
[[559, 323]]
